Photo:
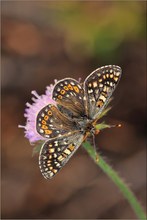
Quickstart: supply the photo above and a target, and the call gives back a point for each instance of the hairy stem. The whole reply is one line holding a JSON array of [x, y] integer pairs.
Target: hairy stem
[[127, 193]]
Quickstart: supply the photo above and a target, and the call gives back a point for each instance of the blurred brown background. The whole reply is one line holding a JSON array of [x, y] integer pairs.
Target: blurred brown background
[[43, 41]]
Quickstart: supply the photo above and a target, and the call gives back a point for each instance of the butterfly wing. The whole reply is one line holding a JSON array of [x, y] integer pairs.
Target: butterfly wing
[[69, 95], [56, 152], [52, 123], [99, 86]]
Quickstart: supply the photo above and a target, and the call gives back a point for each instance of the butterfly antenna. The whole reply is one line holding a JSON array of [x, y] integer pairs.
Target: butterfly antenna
[[116, 126], [94, 145]]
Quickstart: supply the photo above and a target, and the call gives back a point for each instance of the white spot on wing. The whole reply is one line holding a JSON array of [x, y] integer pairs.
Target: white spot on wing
[[56, 143], [47, 136], [90, 91], [102, 97], [51, 174], [117, 73], [94, 84], [41, 131]]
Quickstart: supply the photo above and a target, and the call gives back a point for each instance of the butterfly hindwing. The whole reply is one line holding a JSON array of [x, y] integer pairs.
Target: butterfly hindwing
[[52, 123], [56, 152], [99, 86], [69, 95]]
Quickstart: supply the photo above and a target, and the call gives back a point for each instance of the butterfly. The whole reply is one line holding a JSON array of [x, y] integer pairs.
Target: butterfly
[[74, 116]]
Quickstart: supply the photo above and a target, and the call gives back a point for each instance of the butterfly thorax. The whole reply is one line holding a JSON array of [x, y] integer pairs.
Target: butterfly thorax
[[86, 125]]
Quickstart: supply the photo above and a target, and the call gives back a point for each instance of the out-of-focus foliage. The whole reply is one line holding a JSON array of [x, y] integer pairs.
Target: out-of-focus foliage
[[99, 28]]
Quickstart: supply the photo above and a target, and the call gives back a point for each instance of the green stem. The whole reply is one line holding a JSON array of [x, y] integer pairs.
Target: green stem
[[128, 194]]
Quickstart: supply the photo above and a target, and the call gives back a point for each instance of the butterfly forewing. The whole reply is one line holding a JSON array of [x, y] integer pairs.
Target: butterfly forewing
[[69, 95], [56, 152], [99, 86], [52, 123]]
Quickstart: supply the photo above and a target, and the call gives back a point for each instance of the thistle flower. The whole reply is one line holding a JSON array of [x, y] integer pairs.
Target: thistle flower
[[31, 112]]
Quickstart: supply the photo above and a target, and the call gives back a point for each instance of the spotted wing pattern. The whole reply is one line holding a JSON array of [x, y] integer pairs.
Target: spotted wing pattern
[[52, 123], [99, 86], [58, 124], [69, 95], [56, 152]]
